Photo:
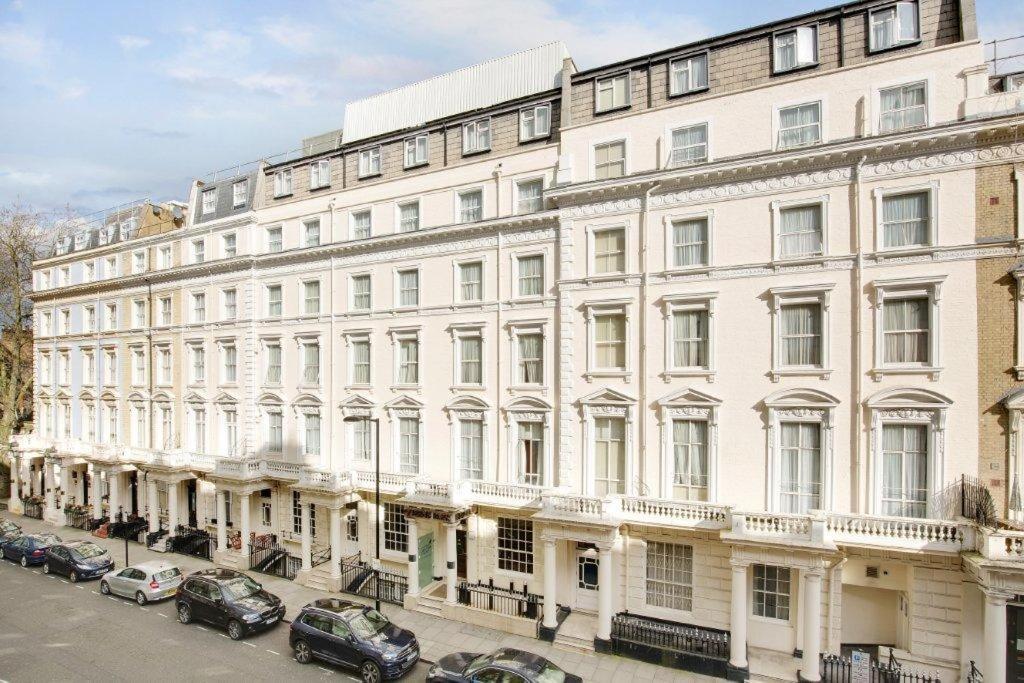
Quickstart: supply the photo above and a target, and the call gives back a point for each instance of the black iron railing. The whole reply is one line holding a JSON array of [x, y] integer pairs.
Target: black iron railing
[[133, 530], [974, 675], [507, 601], [680, 646], [837, 669], [976, 501], [194, 542], [78, 519], [359, 578], [33, 509], [319, 556]]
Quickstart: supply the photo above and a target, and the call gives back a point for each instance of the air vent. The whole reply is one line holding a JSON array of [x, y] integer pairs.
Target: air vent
[[871, 572]]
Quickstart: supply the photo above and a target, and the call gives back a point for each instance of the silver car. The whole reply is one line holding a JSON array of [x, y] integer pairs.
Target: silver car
[[143, 582]]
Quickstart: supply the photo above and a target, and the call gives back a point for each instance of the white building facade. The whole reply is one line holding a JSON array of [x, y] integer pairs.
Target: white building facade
[[691, 337]]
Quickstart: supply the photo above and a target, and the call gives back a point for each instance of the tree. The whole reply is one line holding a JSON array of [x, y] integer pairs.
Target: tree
[[25, 235]]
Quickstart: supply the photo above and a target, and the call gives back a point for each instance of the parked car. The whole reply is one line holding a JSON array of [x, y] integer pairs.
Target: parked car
[[353, 635], [8, 531], [28, 549], [143, 582], [78, 560], [226, 598], [505, 665]]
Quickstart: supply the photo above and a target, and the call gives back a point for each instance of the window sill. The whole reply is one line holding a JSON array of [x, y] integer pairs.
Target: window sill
[[283, 196], [823, 373], [701, 269], [542, 388], [320, 187], [468, 387], [899, 252], [685, 93], [612, 110], [597, 374], [707, 373], [795, 69], [369, 176], [412, 167], [474, 152], [809, 259], [535, 138], [530, 299], [405, 387], [931, 371], [893, 48]]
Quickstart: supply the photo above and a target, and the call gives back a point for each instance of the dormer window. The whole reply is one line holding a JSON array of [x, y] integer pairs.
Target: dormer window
[[283, 183], [611, 92], [893, 26], [369, 162], [795, 49], [476, 136], [416, 151], [534, 122], [209, 201], [320, 174], [688, 74], [239, 193]]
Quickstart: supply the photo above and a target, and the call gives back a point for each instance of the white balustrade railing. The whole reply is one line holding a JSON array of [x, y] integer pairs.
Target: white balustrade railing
[[1005, 545], [389, 481], [768, 525], [504, 494], [311, 477], [582, 507], [899, 532], [280, 469], [675, 512]]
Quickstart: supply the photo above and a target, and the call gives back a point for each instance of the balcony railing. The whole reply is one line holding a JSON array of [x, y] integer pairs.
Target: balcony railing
[[896, 532], [506, 495], [313, 478], [675, 512]]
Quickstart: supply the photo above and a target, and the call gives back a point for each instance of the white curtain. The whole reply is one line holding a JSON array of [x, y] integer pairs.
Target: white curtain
[[611, 344], [471, 464], [409, 287], [410, 217], [409, 433], [531, 442], [313, 434], [609, 456], [530, 346], [471, 276], [361, 292], [905, 219], [690, 239], [311, 363], [470, 206], [470, 350], [800, 125], [690, 458], [801, 466], [800, 231], [408, 362], [273, 364], [801, 334], [905, 470], [689, 145], [883, 28], [531, 275], [361, 225], [690, 336], [689, 74], [905, 322], [903, 107], [361, 362]]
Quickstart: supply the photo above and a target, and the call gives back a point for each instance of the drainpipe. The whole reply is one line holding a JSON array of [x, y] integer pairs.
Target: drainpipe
[[856, 414], [497, 319], [642, 487]]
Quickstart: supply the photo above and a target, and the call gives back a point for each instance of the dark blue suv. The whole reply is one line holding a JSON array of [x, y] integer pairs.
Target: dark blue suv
[[353, 635]]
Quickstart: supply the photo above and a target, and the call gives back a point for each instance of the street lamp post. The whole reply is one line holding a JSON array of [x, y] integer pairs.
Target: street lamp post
[[376, 503]]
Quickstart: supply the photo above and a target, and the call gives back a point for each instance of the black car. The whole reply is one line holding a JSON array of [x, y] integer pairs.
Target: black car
[[228, 599], [355, 636], [504, 665], [77, 560], [28, 549]]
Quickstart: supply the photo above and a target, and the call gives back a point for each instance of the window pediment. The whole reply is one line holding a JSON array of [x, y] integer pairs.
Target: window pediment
[[224, 397], [108, 395], [194, 397], [404, 402], [607, 397], [467, 403], [906, 397], [790, 398], [86, 395], [270, 398], [307, 400], [528, 404]]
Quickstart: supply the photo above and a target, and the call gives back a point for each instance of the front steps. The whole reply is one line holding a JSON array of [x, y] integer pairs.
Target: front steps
[[576, 634], [428, 601]]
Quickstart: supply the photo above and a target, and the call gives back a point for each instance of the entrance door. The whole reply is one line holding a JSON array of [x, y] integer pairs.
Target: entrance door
[[1015, 643], [134, 484], [192, 519], [586, 578], [86, 487], [460, 553], [426, 559]]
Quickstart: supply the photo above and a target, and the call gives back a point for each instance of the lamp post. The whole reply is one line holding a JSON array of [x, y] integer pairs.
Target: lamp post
[[376, 504]]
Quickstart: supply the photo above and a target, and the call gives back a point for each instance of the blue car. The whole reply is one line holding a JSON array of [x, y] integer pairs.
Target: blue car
[[355, 636], [29, 549], [77, 560]]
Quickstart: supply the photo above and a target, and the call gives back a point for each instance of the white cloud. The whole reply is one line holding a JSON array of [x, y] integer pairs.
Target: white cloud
[[291, 34], [129, 43], [21, 45], [72, 91]]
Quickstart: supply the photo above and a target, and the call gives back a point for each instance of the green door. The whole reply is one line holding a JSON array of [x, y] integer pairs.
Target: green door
[[426, 559]]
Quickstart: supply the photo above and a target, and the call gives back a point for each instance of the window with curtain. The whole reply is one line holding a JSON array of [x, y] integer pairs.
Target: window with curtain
[[470, 359], [669, 576], [320, 174], [906, 220], [239, 193], [800, 125], [800, 231], [690, 459], [198, 364], [612, 92], [361, 294], [610, 160], [230, 364], [230, 304], [311, 297], [610, 251], [311, 238], [688, 74], [531, 358], [408, 361], [283, 183], [361, 224], [471, 449], [534, 122], [529, 196], [800, 480], [409, 217], [531, 453], [311, 363], [690, 243], [471, 206], [416, 151], [609, 456], [690, 338], [198, 251], [690, 145], [409, 444], [369, 162], [771, 591], [230, 430], [903, 107], [273, 363], [905, 470], [471, 281], [198, 308], [312, 440], [476, 136], [230, 245], [894, 25], [274, 300], [409, 288], [610, 341], [795, 48], [906, 331], [360, 361], [362, 439], [209, 201], [800, 335], [274, 240], [275, 431], [531, 275], [199, 429]]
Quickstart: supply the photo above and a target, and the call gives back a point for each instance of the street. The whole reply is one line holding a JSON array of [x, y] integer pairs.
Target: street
[[53, 630]]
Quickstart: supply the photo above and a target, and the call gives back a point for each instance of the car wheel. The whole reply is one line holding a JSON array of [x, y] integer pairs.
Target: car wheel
[[73, 576], [140, 598], [303, 655], [235, 630], [24, 561], [104, 588], [370, 672], [184, 614], [46, 567]]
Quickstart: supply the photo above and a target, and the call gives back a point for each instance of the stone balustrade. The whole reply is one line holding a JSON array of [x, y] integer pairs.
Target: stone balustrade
[[896, 532], [677, 513], [1002, 545]]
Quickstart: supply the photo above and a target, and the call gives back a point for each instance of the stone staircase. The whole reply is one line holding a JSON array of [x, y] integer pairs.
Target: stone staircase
[[429, 602], [320, 577], [576, 634]]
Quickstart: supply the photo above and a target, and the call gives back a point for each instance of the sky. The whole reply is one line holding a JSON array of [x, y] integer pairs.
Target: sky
[[110, 102]]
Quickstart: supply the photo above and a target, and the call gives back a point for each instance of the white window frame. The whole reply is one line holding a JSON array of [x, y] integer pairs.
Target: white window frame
[[909, 288], [369, 165], [670, 130], [405, 334], [139, 265], [166, 310], [696, 406], [226, 348], [320, 171], [268, 233], [165, 256], [706, 56], [801, 406], [303, 299], [139, 314], [592, 309], [307, 227], [628, 74], [603, 408], [198, 250], [196, 350], [527, 181], [352, 216], [459, 194], [900, 42], [225, 314], [689, 555], [594, 144], [669, 222], [457, 265], [195, 298], [675, 303], [398, 290], [164, 370], [532, 110], [517, 329], [592, 231], [818, 294], [235, 187], [880, 193], [351, 339], [398, 215], [303, 343], [777, 109], [803, 61], [265, 366], [777, 208], [352, 292], [515, 258], [208, 207], [476, 125], [229, 243], [904, 82], [459, 333], [414, 142], [267, 302], [283, 183]]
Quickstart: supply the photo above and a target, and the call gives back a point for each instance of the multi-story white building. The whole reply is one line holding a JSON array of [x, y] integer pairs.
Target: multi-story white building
[[693, 336]]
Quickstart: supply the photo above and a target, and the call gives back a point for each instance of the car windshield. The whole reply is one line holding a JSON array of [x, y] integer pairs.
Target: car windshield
[[369, 623], [550, 673], [240, 587], [167, 574], [87, 550], [477, 663], [47, 539]]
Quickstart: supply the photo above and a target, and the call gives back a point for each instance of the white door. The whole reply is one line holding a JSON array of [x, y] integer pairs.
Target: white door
[[586, 579]]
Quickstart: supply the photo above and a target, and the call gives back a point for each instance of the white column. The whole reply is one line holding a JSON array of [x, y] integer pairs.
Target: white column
[[114, 501], [246, 522], [33, 479], [222, 521], [411, 547], [80, 489], [738, 621], [173, 489], [97, 494], [810, 668], [550, 583], [604, 592], [994, 662], [451, 561], [335, 543], [15, 479], [153, 505], [307, 540], [49, 485]]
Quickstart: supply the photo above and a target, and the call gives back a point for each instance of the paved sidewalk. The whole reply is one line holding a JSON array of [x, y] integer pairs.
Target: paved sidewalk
[[437, 636]]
